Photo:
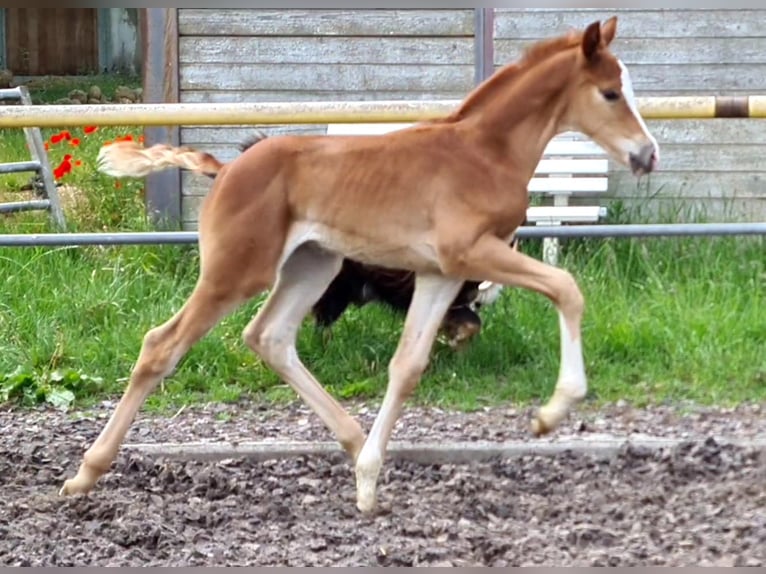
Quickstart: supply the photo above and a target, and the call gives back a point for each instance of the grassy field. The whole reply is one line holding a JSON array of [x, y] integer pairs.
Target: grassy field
[[667, 320]]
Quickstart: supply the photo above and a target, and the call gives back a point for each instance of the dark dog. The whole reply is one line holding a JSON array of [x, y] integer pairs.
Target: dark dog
[[358, 284]]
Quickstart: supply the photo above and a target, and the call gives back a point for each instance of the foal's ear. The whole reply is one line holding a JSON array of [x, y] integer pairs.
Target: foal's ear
[[591, 40], [608, 30]]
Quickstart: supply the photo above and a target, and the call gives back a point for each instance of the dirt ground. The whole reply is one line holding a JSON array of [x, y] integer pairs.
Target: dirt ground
[[701, 503]]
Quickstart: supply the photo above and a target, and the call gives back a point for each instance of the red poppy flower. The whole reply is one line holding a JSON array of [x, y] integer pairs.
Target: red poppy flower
[[78, 163], [47, 147], [89, 129], [66, 135], [56, 138], [64, 167], [67, 157], [75, 142]]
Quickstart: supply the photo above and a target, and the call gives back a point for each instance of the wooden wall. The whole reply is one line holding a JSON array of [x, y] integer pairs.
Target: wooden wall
[[290, 55], [41, 41], [69, 41]]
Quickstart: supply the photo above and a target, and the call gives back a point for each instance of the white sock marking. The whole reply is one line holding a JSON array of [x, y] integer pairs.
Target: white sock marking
[[572, 378]]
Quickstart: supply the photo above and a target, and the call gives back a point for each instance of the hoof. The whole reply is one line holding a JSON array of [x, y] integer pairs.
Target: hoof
[[83, 481], [539, 427], [366, 495], [367, 486], [71, 487], [366, 506]]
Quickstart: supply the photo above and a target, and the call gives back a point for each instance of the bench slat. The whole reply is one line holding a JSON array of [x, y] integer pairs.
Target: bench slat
[[573, 148], [364, 129], [573, 166], [568, 184], [570, 214]]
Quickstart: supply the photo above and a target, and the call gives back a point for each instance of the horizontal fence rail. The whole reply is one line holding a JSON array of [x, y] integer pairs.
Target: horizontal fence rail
[[271, 113], [31, 205], [525, 232]]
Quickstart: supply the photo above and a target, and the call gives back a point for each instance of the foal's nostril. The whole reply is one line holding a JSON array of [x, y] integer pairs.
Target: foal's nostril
[[645, 160]]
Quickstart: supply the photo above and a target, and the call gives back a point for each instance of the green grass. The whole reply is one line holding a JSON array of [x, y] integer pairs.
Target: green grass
[[674, 320]]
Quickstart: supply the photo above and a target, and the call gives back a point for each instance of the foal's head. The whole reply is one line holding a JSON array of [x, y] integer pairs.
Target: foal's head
[[602, 104]]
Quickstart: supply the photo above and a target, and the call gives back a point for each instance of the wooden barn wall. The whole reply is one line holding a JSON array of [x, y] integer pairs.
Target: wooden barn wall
[[713, 168], [710, 166], [298, 55]]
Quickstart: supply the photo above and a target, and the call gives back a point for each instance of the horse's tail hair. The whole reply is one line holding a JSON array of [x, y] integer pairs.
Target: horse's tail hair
[[130, 159]]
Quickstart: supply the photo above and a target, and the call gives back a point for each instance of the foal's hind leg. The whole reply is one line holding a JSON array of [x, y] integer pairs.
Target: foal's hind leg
[[272, 334], [162, 348], [432, 297]]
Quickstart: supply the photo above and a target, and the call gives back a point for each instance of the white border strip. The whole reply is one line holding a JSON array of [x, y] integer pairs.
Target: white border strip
[[426, 453]]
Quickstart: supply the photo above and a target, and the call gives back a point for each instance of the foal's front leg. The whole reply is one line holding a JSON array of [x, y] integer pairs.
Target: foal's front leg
[[432, 297], [493, 260]]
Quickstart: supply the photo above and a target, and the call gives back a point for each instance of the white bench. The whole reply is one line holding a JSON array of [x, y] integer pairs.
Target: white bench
[[571, 165]]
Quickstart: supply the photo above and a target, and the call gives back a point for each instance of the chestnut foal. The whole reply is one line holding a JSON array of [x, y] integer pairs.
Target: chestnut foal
[[441, 199]]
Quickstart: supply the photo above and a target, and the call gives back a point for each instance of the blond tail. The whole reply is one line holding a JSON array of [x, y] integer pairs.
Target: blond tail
[[130, 159]]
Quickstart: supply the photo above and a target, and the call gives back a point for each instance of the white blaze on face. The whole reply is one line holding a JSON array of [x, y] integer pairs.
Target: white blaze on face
[[630, 98]]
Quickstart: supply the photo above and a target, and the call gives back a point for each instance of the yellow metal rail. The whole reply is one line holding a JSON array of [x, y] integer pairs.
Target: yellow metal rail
[[271, 113]]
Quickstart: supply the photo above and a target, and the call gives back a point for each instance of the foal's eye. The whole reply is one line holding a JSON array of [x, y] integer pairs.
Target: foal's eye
[[611, 95]]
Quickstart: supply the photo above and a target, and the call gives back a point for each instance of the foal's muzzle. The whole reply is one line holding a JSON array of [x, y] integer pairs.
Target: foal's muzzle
[[644, 161]]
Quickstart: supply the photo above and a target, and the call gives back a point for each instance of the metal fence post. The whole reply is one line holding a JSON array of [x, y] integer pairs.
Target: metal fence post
[[484, 43]]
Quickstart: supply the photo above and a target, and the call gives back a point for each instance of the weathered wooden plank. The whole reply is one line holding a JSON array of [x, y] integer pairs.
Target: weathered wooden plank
[[190, 206], [710, 157], [668, 51], [717, 131], [633, 23], [700, 185], [667, 78], [198, 136], [197, 185], [240, 50], [322, 22], [341, 77], [223, 151], [694, 209], [697, 79], [238, 96]]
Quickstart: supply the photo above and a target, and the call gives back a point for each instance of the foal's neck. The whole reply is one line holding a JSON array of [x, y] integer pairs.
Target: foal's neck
[[518, 111]]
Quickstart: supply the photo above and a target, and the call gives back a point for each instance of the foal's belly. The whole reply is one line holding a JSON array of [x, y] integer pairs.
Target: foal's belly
[[413, 253]]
